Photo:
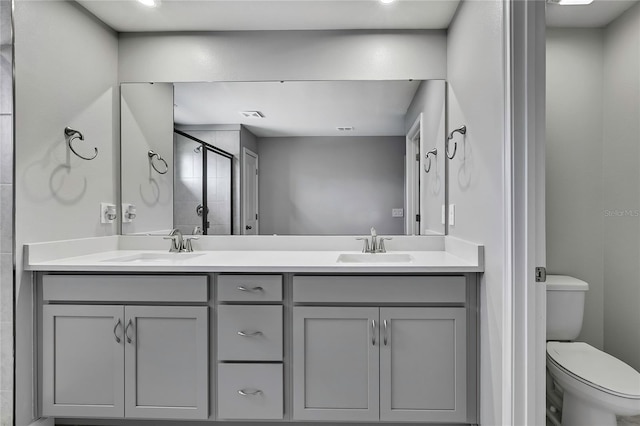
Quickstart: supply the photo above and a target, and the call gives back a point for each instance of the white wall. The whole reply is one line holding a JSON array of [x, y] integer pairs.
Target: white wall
[[621, 173], [574, 166], [283, 55], [430, 101], [476, 83], [147, 124], [331, 185], [62, 79]]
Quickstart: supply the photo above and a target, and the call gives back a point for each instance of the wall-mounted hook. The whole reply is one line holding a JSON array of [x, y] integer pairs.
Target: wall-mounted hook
[[153, 154], [71, 134], [463, 131], [427, 156]]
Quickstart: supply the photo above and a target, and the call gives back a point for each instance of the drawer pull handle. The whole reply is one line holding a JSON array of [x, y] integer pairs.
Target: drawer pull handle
[[386, 333], [115, 327], [256, 289], [250, 333], [252, 392], [373, 332], [126, 330]]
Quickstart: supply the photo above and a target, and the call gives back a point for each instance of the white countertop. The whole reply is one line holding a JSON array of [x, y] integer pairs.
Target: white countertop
[[115, 254]]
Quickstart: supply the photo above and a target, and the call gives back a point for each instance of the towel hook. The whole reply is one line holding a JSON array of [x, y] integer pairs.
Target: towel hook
[[71, 134], [152, 154], [463, 131], [433, 152]]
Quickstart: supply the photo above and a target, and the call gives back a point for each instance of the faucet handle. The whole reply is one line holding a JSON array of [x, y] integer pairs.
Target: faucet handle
[[187, 245], [381, 248], [365, 247]]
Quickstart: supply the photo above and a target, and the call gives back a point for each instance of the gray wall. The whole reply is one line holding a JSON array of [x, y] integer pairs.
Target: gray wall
[[6, 213], [147, 124], [283, 55], [621, 173], [476, 97], [430, 102], [593, 172], [331, 186], [574, 166], [57, 194]]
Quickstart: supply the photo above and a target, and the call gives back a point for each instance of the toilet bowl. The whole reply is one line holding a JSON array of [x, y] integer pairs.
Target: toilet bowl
[[595, 386]]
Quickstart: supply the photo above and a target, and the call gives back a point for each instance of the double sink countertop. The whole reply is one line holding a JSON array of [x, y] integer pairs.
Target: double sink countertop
[[340, 254]]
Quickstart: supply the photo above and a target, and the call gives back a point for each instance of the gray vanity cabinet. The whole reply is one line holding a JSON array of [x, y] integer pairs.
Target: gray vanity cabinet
[[389, 363], [423, 364], [106, 352], [125, 361], [83, 374], [336, 363]]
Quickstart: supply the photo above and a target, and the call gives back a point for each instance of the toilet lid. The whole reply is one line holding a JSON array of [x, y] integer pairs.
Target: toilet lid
[[596, 367]]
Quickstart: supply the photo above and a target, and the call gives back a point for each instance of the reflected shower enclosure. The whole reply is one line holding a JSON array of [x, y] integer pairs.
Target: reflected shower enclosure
[[202, 187]]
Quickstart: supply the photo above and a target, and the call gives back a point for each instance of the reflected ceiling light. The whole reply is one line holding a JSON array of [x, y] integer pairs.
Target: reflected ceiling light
[[148, 3], [570, 2]]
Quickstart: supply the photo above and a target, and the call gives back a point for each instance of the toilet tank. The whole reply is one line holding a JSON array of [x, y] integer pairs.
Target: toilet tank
[[565, 306]]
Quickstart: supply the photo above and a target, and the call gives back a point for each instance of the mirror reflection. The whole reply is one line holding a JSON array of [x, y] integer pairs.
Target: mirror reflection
[[284, 158]]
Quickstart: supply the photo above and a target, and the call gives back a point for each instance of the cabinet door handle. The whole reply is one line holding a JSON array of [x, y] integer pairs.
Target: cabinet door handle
[[373, 332], [115, 327], [386, 333], [126, 330], [250, 392], [255, 289], [250, 333]]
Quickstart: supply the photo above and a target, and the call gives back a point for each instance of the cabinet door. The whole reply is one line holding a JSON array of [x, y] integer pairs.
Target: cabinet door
[[335, 363], [83, 361], [423, 364], [166, 353]]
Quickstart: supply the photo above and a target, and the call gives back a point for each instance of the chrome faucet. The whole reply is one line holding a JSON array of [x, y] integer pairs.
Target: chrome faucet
[[177, 241], [376, 245], [180, 243]]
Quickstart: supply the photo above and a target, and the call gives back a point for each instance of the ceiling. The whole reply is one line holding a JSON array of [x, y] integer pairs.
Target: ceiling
[[299, 108], [598, 14], [227, 15]]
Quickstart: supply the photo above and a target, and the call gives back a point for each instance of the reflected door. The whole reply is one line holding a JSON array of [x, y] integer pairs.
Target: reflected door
[[249, 192]]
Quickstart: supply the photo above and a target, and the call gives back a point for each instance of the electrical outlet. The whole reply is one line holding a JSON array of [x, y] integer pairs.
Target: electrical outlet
[[107, 213], [452, 214], [128, 212], [397, 212]]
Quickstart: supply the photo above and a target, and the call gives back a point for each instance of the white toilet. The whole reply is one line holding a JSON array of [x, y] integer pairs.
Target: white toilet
[[595, 386]]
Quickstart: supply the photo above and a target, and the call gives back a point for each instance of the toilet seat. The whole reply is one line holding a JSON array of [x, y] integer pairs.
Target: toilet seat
[[595, 368]]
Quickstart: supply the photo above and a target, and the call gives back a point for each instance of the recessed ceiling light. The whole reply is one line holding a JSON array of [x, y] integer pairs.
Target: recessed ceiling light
[[252, 114], [148, 3], [386, 1], [570, 2]]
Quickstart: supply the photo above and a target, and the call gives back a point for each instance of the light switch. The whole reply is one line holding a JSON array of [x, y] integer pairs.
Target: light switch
[[452, 214], [397, 212]]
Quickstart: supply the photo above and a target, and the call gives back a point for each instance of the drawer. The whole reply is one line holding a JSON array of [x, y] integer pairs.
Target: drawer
[[250, 288], [249, 333], [250, 391], [126, 288], [379, 289]]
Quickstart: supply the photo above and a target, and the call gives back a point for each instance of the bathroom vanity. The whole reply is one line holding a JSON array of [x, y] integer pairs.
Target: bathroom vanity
[[257, 334]]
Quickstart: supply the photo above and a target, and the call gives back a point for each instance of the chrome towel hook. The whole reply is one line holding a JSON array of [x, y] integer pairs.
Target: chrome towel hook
[[152, 154], [71, 134], [427, 157], [463, 131]]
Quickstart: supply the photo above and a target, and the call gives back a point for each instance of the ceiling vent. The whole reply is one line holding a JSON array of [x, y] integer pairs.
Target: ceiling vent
[[252, 114], [345, 129]]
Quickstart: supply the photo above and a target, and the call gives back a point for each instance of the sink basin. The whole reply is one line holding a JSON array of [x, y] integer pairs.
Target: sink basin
[[375, 258], [154, 258]]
